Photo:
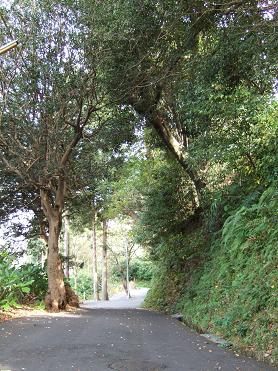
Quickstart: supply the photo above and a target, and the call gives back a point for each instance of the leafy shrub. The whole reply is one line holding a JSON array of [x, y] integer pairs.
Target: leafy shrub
[[84, 285], [38, 287], [14, 283], [236, 290], [233, 292], [139, 270], [24, 284]]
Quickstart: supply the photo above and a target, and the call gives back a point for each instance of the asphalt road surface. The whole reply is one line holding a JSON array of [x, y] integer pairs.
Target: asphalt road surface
[[104, 339], [119, 301]]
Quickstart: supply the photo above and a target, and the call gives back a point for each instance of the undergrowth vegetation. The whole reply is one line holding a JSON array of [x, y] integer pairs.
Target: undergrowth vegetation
[[26, 284], [233, 291]]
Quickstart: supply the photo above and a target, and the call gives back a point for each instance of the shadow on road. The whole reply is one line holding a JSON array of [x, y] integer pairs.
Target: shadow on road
[[112, 335]]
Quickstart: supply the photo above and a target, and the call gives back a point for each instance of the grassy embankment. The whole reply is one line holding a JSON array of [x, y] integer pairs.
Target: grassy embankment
[[232, 292]]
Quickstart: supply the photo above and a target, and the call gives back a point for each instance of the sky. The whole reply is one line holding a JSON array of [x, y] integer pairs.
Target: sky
[[19, 243]]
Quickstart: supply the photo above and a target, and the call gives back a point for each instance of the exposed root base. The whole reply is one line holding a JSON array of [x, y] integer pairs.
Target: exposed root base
[[71, 298], [71, 301]]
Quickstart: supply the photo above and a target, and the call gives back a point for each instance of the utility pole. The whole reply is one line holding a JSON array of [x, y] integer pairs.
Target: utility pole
[[5, 48]]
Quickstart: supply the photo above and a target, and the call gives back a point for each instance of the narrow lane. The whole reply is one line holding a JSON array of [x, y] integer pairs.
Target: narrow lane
[[105, 339]]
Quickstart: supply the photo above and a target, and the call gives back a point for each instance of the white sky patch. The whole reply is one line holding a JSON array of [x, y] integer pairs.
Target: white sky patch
[[19, 243], [6, 3]]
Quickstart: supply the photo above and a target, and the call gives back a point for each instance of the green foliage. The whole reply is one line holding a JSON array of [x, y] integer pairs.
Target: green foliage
[[83, 285], [14, 283], [35, 248], [39, 285], [166, 202], [139, 270], [233, 293], [164, 292]]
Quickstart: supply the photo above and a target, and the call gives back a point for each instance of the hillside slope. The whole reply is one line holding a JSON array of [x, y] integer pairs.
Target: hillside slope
[[232, 291]]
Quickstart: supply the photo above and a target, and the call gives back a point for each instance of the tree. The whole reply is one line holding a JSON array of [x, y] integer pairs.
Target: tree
[[46, 108], [153, 50], [122, 255]]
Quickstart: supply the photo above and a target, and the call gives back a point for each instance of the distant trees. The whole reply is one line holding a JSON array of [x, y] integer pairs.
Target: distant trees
[[103, 156]]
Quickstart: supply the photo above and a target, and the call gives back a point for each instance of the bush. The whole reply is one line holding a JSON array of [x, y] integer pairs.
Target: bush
[[24, 284], [84, 285], [232, 293], [14, 283], [38, 288], [139, 270]]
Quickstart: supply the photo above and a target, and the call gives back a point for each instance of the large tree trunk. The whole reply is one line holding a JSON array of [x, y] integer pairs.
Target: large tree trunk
[[56, 298], [176, 142], [66, 243], [125, 285], [56, 295], [104, 262], [178, 147], [94, 243]]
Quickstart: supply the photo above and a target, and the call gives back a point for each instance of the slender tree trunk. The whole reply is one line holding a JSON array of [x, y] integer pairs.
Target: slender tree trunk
[[127, 272], [104, 262], [75, 278], [124, 283], [178, 149], [94, 240], [43, 253], [177, 146], [66, 243]]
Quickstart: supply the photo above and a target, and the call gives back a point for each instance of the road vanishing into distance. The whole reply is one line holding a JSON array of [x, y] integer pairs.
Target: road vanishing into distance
[[113, 335]]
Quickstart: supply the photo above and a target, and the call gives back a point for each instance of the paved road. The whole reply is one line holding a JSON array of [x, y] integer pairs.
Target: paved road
[[119, 301], [106, 339]]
